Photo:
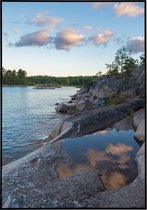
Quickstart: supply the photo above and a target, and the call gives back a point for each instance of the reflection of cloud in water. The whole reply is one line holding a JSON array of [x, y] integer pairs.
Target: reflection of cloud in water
[[64, 170], [82, 167], [109, 162], [118, 149], [114, 180], [123, 159], [95, 156]]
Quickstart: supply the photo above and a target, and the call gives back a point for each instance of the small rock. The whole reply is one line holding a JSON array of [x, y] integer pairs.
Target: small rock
[[140, 132], [63, 108]]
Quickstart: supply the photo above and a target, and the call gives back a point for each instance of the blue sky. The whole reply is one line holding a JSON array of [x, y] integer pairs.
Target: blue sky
[[68, 39]]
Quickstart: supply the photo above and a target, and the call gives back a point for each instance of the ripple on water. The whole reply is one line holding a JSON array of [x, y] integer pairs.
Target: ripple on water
[[28, 116]]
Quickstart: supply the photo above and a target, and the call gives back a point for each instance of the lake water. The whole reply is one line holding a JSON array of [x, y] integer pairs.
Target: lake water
[[112, 153], [28, 115]]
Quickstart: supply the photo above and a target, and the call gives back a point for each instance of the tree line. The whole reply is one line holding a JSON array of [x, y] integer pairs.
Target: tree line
[[123, 64], [13, 77]]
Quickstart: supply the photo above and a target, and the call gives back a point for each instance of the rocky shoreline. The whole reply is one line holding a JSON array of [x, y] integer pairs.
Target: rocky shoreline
[[33, 181]]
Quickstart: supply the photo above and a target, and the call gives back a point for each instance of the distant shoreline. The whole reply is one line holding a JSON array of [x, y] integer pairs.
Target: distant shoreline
[[77, 86], [16, 85]]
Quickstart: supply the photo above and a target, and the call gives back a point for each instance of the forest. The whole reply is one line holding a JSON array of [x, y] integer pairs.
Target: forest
[[122, 65], [13, 77]]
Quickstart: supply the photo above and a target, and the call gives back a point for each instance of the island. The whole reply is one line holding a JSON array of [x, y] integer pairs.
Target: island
[[46, 86]]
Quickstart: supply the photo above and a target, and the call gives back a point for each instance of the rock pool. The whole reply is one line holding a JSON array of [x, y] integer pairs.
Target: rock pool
[[111, 152]]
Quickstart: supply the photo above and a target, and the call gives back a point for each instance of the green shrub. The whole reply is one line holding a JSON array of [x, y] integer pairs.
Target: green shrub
[[116, 99]]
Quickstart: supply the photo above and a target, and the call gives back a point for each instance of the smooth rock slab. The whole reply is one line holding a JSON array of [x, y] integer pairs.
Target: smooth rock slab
[[124, 124], [91, 121], [31, 182]]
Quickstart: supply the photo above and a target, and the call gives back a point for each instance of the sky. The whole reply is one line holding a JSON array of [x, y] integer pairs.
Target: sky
[[69, 38]]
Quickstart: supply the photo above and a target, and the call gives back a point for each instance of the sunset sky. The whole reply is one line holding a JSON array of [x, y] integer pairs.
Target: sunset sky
[[69, 39]]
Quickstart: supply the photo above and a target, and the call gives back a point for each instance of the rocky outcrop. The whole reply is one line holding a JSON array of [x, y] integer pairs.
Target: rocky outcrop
[[82, 105], [104, 87], [139, 124], [32, 181], [93, 120], [139, 75]]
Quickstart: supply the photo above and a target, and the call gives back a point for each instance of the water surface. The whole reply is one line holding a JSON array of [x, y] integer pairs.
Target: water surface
[[112, 153], [28, 115]]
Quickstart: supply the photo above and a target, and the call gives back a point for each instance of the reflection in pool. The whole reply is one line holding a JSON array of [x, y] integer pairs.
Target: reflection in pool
[[110, 152]]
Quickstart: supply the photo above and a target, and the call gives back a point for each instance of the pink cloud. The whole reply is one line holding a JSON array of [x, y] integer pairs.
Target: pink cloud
[[130, 9], [102, 38], [38, 38], [67, 39], [118, 149]]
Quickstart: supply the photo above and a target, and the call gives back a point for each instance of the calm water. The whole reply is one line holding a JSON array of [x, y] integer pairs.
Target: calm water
[[110, 152], [28, 116]]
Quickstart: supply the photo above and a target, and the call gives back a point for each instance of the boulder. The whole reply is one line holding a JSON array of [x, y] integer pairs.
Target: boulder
[[139, 124], [74, 96], [70, 102], [138, 117], [140, 132], [82, 105], [72, 109], [62, 108]]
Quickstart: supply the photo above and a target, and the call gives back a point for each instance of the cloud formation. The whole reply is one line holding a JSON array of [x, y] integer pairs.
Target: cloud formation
[[39, 38], [97, 5], [101, 38], [67, 39], [130, 9], [41, 20], [135, 44]]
